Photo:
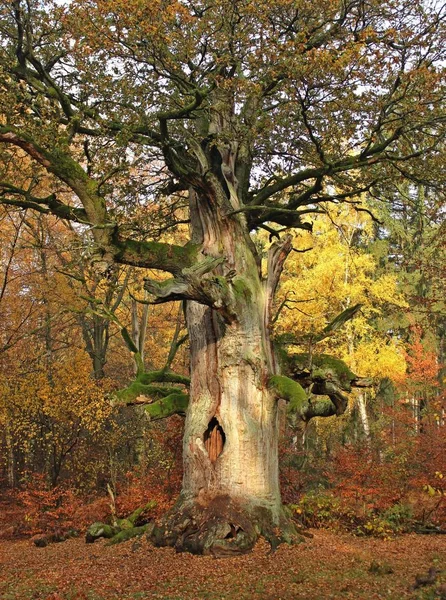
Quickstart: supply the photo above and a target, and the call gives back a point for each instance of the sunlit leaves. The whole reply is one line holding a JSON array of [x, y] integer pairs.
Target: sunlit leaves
[[337, 273]]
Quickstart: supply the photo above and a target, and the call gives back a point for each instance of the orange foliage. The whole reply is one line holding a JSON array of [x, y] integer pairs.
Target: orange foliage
[[409, 471], [422, 363], [47, 509]]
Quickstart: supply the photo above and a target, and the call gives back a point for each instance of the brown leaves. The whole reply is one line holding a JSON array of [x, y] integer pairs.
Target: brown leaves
[[328, 566]]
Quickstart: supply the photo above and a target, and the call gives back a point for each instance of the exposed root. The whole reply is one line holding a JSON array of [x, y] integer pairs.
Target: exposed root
[[221, 528]]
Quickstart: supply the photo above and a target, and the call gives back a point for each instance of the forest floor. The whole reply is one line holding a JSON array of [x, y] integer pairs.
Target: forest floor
[[328, 566]]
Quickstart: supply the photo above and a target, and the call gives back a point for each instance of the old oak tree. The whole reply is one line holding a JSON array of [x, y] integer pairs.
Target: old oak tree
[[232, 116]]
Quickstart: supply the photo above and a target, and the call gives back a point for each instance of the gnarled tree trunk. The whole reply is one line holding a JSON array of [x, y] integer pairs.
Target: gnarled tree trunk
[[230, 492]]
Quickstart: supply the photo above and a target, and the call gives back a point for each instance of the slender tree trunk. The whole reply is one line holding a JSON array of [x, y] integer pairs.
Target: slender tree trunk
[[362, 406], [139, 330], [11, 467], [230, 491]]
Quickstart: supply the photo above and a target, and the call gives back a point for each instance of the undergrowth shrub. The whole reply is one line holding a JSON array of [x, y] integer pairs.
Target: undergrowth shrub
[[397, 519], [325, 510], [139, 488], [46, 509], [322, 510], [158, 475], [41, 509]]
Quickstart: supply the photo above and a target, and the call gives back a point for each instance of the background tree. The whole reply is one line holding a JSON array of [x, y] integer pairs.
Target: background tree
[[15, 310], [261, 113], [411, 244]]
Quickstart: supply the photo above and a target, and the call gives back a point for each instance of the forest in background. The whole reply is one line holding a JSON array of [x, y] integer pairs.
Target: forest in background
[[378, 469]]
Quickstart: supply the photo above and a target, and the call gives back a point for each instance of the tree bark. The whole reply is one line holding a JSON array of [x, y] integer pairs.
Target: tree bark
[[230, 491], [362, 406]]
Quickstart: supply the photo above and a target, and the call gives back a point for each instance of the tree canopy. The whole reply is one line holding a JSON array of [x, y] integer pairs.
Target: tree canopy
[[127, 103]]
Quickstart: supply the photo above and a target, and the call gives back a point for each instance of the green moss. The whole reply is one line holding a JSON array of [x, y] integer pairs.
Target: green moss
[[289, 390], [70, 170], [128, 340], [156, 255], [175, 403], [241, 288], [128, 534], [162, 377], [138, 512], [136, 388], [124, 524], [221, 282], [143, 385], [323, 365], [98, 530], [320, 408]]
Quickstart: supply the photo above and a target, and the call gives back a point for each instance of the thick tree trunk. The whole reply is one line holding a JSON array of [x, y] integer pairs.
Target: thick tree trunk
[[230, 492]]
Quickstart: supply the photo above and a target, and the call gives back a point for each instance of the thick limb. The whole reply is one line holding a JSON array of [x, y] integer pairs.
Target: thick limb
[[299, 404]]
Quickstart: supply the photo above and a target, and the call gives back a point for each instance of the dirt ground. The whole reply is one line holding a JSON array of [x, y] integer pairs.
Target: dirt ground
[[328, 566]]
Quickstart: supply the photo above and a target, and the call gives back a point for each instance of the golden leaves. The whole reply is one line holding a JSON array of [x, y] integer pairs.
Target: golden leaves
[[336, 274], [54, 406]]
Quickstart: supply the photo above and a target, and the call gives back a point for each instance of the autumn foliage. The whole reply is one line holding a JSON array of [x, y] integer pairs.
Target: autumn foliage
[[63, 441]]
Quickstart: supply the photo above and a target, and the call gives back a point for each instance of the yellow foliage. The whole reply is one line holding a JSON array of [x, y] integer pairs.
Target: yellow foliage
[[337, 273], [379, 358], [54, 405]]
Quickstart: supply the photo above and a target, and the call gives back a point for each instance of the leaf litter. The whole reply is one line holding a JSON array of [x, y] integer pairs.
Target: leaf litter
[[331, 565]]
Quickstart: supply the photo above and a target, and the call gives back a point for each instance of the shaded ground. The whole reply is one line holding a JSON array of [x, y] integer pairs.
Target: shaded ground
[[328, 566]]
